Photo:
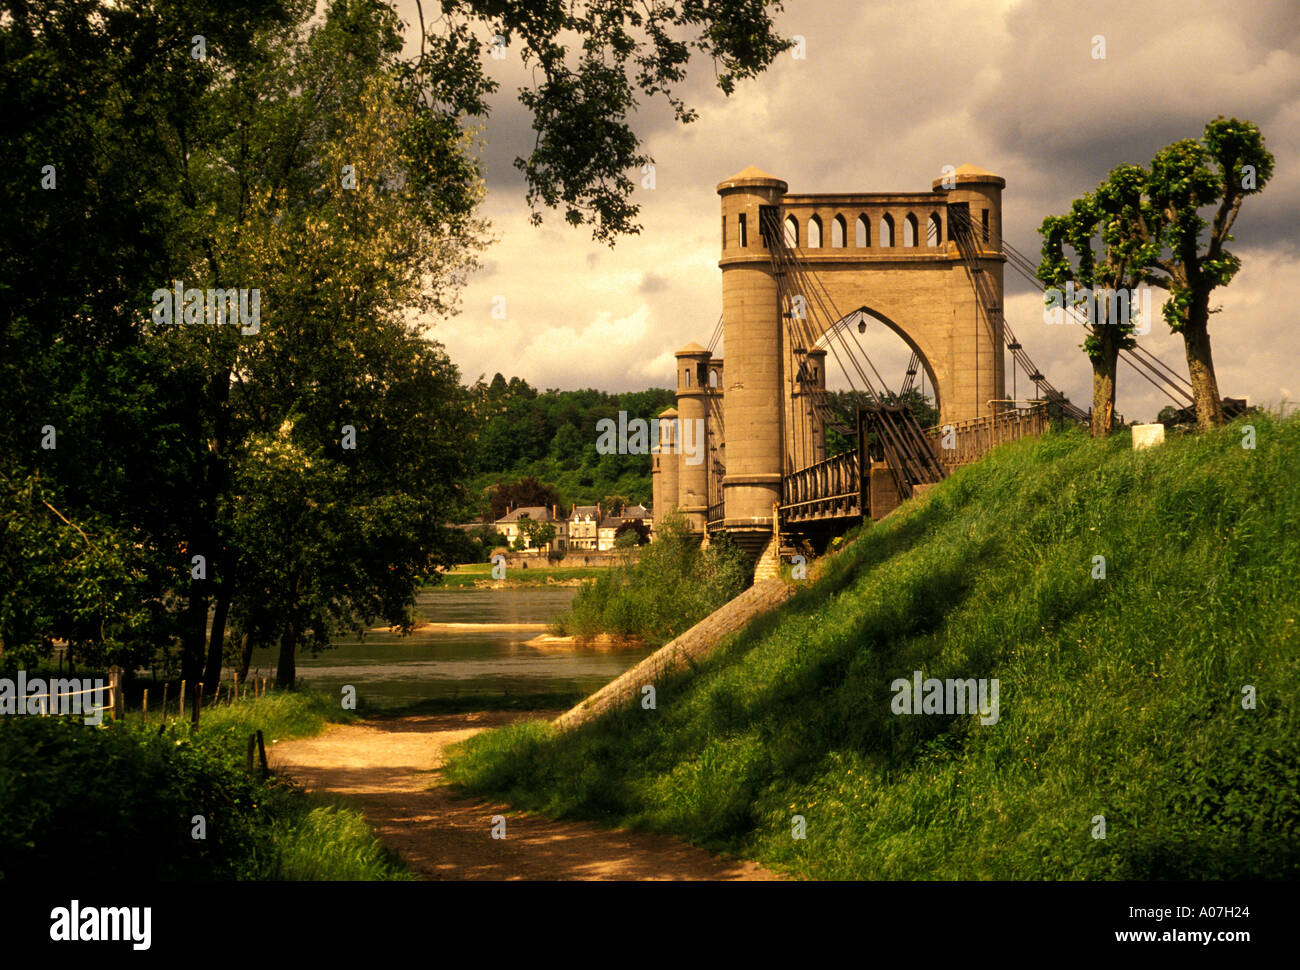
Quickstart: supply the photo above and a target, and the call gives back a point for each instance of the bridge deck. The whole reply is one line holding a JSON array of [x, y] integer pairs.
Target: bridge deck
[[835, 488]]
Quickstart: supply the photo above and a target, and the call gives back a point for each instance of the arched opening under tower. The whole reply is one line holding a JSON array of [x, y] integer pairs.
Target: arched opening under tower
[[865, 345]]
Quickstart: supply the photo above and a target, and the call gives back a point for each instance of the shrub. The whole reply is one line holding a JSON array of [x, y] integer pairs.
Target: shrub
[[673, 586]]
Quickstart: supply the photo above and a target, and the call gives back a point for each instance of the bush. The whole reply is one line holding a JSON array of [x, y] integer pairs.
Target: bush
[[120, 801], [673, 586]]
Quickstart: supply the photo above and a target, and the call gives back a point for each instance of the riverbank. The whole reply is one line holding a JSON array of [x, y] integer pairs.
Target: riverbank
[[599, 642], [467, 627], [479, 575], [1130, 615]]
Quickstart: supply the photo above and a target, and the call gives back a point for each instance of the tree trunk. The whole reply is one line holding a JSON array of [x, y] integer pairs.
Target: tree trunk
[[1103, 390], [285, 672], [1200, 366], [245, 656], [212, 672], [194, 636]]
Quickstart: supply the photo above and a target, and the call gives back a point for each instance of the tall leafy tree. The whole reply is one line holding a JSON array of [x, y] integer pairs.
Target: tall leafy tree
[[347, 206], [251, 144], [1152, 226], [85, 224], [1188, 177], [1108, 277]]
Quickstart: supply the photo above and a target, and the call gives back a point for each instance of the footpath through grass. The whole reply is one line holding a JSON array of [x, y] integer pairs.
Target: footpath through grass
[[121, 800], [1120, 697]]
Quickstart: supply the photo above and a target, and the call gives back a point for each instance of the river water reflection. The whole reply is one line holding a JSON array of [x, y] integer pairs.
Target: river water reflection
[[389, 670]]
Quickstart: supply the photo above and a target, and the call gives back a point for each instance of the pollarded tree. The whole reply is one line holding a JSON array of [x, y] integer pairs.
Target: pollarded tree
[[1228, 164], [1108, 279]]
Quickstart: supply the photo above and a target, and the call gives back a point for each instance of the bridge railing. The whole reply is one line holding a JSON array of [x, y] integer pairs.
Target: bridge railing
[[830, 488], [967, 441]]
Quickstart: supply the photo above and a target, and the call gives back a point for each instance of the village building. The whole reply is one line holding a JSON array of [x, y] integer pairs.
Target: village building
[[509, 525], [587, 528], [584, 527], [609, 525]]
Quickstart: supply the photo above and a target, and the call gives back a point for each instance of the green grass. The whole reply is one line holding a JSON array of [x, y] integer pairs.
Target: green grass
[[471, 575], [277, 714], [1120, 697], [121, 800], [557, 700]]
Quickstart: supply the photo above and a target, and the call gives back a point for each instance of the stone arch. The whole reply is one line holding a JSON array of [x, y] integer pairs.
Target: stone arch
[[933, 230], [886, 230], [792, 232], [911, 230], [863, 230], [824, 340]]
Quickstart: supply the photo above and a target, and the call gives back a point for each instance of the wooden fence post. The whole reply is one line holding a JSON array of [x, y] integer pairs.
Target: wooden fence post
[[164, 707], [144, 705], [182, 710], [261, 753], [115, 683]]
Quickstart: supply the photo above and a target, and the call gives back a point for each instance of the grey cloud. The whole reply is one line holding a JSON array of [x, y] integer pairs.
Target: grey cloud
[[652, 283]]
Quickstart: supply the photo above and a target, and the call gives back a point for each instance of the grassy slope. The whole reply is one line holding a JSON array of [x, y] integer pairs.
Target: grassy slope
[[1119, 697]]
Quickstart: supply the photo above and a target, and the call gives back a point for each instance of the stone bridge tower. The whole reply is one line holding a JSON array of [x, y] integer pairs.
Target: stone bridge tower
[[889, 255]]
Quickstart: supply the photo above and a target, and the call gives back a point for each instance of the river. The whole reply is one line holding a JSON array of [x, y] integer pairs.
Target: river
[[392, 671]]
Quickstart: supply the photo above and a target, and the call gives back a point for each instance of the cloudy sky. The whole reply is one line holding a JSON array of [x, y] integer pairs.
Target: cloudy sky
[[887, 94]]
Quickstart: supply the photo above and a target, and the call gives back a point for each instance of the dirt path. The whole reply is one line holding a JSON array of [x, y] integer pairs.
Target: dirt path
[[386, 767]]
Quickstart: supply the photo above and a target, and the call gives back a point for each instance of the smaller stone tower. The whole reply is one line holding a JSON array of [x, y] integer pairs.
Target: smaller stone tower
[[663, 470], [692, 434]]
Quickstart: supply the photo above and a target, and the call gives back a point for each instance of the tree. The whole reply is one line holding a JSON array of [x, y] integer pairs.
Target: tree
[[526, 492], [614, 504], [589, 62], [301, 158], [304, 198], [631, 533], [1187, 176], [243, 186], [1113, 212], [85, 239], [536, 533]]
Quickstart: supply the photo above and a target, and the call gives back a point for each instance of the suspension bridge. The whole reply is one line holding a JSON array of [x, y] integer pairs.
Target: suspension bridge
[[803, 278]]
